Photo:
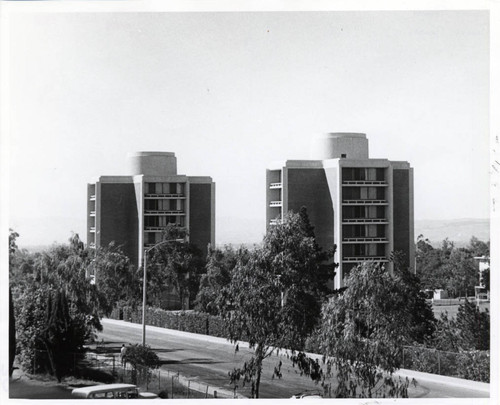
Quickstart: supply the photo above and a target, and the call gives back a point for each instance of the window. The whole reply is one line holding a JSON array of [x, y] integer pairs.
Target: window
[[343, 155]]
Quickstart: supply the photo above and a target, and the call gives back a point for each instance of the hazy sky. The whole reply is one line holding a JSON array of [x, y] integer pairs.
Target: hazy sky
[[231, 92]]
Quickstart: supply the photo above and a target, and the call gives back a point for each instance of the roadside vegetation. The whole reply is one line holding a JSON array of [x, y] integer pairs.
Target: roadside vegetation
[[273, 296], [450, 268]]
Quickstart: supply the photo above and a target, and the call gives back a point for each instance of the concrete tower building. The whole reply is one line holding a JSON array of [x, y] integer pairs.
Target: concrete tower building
[[133, 210], [362, 205]]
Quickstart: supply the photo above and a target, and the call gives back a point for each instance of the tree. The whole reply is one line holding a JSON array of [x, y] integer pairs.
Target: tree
[[116, 278], [12, 242], [35, 280], [478, 248], [274, 297], [12, 334], [422, 322], [176, 264], [428, 261], [61, 337], [449, 268], [31, 314], [363, 332], [474, 327], [142, 359], [219, 268], [470, 330], [461, 273]]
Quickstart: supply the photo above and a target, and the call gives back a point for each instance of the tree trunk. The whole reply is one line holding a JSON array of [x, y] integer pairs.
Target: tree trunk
[[259, 355]]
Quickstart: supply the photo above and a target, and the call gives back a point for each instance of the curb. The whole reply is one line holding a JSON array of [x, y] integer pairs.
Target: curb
[[445, 380]]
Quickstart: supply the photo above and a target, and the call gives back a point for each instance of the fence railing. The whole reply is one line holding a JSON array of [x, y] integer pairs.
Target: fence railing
[[167, 383], [471, 365]]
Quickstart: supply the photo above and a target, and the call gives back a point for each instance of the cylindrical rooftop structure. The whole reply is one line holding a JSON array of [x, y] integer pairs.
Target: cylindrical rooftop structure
[[153, 163], [338, 145]]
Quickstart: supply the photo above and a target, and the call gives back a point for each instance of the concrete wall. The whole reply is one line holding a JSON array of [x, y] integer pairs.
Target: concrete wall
[[309, 188], [339, 145], [401, 214], [201, 202], [119, 217], [152, 163]]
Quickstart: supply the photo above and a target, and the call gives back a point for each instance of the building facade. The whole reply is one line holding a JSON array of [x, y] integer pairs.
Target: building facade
[[363, 206], [133, 210]]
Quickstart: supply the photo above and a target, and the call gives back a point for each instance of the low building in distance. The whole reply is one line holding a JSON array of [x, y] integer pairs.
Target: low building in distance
[[133, 210], [362, 205]]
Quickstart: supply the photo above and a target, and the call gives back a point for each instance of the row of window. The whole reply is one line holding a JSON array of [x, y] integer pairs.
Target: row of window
[[164, 205], [162, 221], [363, 173], [156, 237], [363, 193], [363, 211], [363, 250], [165, 188], [363, 231]]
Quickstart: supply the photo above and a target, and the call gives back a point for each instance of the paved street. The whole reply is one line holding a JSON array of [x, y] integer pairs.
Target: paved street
[[210, 359]]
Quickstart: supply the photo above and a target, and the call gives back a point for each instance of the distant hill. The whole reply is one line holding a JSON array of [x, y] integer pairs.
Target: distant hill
[[459, 231], [250, 231]]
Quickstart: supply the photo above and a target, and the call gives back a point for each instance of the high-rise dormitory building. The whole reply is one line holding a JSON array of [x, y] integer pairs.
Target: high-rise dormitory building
[[133, 210], [362, 205]]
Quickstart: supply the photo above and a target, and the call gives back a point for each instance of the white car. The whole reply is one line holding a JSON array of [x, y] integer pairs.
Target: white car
[[112, 391]]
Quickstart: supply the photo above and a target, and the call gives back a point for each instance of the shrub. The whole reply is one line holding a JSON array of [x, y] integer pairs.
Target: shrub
[[474, 365], [187, 321]]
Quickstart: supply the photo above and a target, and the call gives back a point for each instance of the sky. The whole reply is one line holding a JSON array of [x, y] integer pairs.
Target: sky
[[231, 92]]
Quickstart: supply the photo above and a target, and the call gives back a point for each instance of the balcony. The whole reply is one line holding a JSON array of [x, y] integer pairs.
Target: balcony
[[92, 197], [92, 245], [276, 204], [364, 202], [376, 183], [357, 259], [274, 222], [275, 185], [92, 213], [380, 221], [150, 196], [365, 239], [154, 228], [164, 212], [92, 229], [148, 245]]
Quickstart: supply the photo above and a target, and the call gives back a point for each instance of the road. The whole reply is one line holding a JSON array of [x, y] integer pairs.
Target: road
[[209, 360]]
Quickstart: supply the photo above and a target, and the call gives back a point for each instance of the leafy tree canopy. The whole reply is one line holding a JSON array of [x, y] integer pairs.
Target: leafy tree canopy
[[60, 276], [448, 267], [175, 263], [363, 332], [273, 299], [219, 267]]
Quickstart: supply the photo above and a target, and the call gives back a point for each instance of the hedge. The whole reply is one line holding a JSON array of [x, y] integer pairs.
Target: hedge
[[187, 321]]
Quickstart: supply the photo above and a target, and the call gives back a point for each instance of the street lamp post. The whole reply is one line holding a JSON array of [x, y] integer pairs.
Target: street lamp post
[[144, 279]]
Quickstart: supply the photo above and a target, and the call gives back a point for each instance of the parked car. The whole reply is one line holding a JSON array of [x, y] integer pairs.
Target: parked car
[[112, 391]]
